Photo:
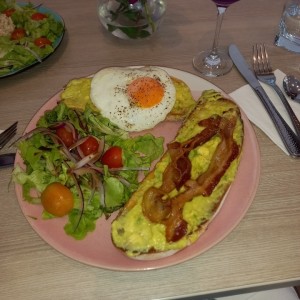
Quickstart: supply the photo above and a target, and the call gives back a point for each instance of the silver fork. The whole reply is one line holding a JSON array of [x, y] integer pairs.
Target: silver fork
[[264, 72], [8, 134]]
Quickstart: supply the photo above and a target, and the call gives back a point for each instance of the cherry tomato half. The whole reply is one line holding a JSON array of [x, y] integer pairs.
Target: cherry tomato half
[[66, 135], [113, 157], [9, 11], [17, 34], [89, 146], [57, 199], [38, 16], [42, 42]]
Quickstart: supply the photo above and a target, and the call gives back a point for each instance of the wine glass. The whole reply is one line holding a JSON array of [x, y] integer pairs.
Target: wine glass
[[215, 62]]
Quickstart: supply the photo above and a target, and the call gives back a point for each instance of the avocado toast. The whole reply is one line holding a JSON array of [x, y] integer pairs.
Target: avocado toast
[[180, 196]]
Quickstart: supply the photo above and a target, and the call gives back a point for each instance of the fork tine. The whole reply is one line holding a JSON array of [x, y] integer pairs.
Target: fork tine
[[263, 65], [7, 130], [256, 59], [6, 135], [268, 64], [7, 138], [259, 59], [262, 59]]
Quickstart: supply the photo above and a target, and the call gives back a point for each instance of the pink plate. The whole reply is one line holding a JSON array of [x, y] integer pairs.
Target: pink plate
[[97, 248]]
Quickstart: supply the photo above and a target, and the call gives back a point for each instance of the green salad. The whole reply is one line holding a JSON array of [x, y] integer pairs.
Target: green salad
[[88, 156], [27, 35]]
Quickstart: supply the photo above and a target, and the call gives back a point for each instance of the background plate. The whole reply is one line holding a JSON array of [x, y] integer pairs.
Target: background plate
[[97, 249], [56, 43]]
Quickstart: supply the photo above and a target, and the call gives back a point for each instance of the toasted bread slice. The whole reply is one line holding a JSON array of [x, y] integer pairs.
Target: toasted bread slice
[[76, 95], [184, 103], [176, 201]]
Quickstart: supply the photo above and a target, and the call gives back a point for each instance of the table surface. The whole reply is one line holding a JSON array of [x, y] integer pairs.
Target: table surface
[[261, 252]]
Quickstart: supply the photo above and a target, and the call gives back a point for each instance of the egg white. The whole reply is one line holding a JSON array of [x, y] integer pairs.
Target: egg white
[[109, 95]]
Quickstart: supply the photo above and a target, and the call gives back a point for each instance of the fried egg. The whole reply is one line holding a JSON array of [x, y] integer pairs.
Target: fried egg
[[134, 99]]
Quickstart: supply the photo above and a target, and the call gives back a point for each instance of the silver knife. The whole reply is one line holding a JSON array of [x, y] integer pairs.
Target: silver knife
[[7, 159], [289, 138]]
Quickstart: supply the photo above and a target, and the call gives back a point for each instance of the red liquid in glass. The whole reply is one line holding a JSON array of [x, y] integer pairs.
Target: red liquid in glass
[[224, 3]]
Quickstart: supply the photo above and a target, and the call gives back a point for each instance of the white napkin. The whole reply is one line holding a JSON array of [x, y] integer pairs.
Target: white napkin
[[247, 99]]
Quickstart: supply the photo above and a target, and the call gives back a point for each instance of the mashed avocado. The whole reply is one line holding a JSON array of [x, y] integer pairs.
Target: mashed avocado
[[76, 94], [134, 233], [184, 103]]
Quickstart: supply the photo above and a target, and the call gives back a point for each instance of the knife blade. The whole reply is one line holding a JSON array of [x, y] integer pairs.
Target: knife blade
[[7, 159], [289, 138]]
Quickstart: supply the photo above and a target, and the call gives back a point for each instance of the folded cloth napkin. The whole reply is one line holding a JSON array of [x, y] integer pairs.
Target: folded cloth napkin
[[247, 99]]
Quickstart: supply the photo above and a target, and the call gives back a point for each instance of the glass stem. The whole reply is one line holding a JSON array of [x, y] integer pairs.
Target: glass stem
[[221, 11]]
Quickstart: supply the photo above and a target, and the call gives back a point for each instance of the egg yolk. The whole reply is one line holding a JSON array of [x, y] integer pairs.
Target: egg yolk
[[145, 92]]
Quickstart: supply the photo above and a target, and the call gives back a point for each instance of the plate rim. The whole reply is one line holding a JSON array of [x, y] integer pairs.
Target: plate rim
[[168, 261]]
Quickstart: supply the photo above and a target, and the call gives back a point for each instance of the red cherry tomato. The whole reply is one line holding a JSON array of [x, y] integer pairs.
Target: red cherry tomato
[[38, 16], [89, 146], [42, 42], [66, 135], [9, 11], [113, 157], [17, 34]]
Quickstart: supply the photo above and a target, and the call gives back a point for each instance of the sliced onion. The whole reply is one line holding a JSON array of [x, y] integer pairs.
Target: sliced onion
[[78, 143], [83, 127], [56, 139], [129, 169], [96, 182], [89, 159], [81, 198], [88, 170], [102, 194], [31, 133], [124, 181], [98, 169]]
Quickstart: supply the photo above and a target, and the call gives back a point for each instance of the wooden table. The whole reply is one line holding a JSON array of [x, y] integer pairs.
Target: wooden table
[[262, 252]]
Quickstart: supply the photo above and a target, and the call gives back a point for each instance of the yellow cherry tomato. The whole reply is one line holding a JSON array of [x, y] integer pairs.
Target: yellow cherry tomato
[[57, 199]]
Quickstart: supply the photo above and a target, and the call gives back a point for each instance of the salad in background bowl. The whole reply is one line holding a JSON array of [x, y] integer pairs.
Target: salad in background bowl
[[28, 35]]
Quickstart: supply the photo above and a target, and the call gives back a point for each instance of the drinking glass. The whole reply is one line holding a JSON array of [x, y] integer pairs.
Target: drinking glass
[[289, 27], [216, 61]]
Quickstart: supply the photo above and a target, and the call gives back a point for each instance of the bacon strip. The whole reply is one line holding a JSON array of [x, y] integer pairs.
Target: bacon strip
[[155, 208], [225, 153], [158, 208], [179, 170]]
